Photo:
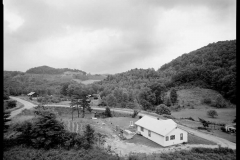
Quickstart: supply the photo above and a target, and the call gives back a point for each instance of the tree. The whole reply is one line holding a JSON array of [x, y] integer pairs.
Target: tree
[[111, 100], [163, 109], [64, 89], [108, 112], [89, 135], [45, 132], [212, 113], [173, 96], [158, 89], [72, 106]]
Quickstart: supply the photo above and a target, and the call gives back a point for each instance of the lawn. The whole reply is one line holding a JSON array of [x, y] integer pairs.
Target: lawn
[[225, 115], [192, 139]]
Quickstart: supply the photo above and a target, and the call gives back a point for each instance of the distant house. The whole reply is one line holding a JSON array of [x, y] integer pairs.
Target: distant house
[[32, 94], [163, 132]]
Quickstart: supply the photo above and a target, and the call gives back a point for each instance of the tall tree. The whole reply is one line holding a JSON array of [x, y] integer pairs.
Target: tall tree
[[173, 96]]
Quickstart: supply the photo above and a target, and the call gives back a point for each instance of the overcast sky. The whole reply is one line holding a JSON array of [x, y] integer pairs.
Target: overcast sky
[[111, 36]]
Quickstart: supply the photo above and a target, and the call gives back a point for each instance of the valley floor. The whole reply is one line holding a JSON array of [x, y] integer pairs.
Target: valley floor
[[123, 147]]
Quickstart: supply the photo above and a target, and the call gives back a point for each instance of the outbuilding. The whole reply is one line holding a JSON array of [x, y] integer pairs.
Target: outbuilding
[[162, 132], [32, 94]]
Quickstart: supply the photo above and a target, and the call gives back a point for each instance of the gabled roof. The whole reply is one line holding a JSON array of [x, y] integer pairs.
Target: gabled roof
[[31, 93], [162, 127]]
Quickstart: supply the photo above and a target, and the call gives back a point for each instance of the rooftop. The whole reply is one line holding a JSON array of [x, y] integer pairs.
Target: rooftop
[[162, 127]]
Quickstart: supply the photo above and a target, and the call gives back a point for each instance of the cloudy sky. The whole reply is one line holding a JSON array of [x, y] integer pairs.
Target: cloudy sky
[[111, 36]]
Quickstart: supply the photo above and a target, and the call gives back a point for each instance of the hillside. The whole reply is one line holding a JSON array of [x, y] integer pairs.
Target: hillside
[[45, 80], [50, 70], [212, 66]]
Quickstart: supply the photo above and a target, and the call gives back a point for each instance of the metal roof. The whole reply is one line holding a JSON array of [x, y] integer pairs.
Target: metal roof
[[31, 93], [162, 127]]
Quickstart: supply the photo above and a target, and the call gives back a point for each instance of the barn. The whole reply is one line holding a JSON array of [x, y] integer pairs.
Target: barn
[[162, 132], [32, 94]]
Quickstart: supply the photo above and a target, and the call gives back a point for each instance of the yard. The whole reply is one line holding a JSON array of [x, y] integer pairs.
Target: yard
[[107, 126]]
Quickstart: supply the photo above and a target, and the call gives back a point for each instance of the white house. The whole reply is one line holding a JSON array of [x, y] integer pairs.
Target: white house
[[163, 132]]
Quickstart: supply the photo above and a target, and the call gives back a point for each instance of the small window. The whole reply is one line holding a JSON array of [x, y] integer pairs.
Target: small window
[[172, 137], [142, 129], [167, 138], [181, 136], [149, 133]]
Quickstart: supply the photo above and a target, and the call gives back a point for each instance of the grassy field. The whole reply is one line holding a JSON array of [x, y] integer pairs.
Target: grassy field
[[194, 96], [225, 115]]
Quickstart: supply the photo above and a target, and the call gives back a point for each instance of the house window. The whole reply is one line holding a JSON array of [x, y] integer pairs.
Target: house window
[[172, 137], [142, 129], [149, 133], [167, 138], [181, 136]]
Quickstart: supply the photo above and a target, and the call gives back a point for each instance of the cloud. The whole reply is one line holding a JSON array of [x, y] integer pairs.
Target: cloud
[[108, 37]]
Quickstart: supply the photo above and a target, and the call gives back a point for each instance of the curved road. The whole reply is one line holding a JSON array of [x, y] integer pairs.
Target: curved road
[[220, 141]]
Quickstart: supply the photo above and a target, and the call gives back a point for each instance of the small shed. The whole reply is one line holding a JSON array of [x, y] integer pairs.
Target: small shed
[[163, 132], [32, 94]]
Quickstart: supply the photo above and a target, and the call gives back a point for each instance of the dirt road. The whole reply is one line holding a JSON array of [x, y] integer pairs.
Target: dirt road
[[27, 105], [220, 141]]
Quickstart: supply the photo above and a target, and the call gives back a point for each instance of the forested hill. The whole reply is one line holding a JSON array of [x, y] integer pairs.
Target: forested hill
[[212, 66], [50, 70]]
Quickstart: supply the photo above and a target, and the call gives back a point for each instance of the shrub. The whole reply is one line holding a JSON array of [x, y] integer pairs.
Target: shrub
[[140, 117], [220, 103], [108, 112], [207, 101], [212, 113], [163, 109], [11, 104], [135, 113]]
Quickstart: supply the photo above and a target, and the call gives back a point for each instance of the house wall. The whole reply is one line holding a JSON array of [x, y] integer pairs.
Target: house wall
[[154, 137], [177, 140], [162, 140]]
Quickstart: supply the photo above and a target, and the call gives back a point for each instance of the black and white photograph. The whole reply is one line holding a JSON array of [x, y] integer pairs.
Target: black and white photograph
[[119, 79]]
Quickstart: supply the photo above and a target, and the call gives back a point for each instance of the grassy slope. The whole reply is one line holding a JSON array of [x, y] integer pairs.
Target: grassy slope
[[194, 97]]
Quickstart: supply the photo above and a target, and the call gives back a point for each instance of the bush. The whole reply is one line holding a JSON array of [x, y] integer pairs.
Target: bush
[[108, 112], [212, 113], [207, 101], [11, 104], [163, 109], [220, 103], [135, 113], [140, 117]]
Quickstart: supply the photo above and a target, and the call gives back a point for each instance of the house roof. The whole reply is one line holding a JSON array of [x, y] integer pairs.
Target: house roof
[[31, 93], [162, 127]]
